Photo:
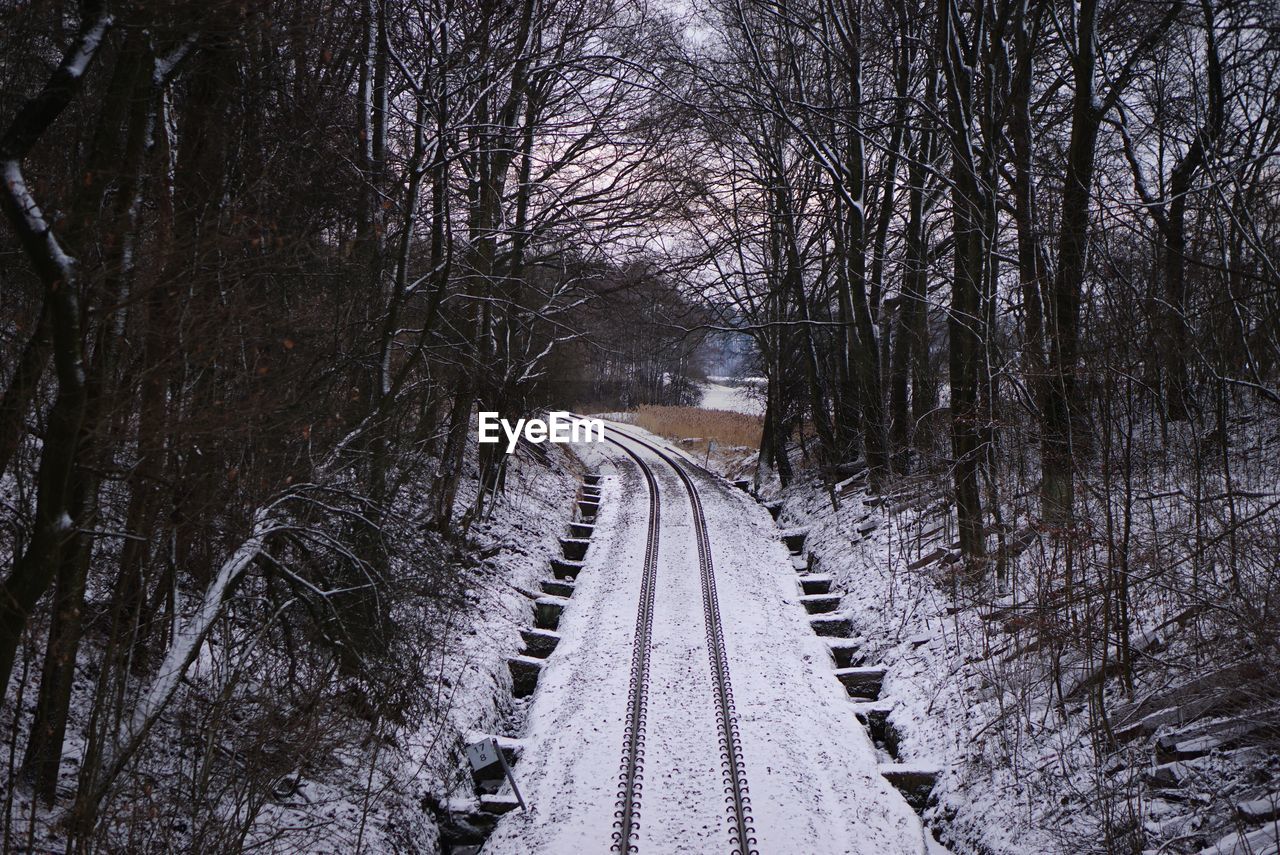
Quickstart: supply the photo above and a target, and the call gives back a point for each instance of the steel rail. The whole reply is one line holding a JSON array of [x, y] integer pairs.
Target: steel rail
[[631, 769], [732, 767]]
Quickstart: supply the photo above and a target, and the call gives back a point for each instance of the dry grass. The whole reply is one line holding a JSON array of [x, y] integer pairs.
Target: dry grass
[[686, 423]]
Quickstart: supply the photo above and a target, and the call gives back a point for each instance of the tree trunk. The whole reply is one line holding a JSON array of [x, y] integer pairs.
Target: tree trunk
[[54, 529], [1030, 268], [1057, 490], [22, 388], [49, 724], [1177, 340], [911, 340], [966, 315]]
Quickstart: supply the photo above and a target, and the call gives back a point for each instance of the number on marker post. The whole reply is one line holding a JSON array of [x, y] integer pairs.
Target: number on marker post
[[485, 753]]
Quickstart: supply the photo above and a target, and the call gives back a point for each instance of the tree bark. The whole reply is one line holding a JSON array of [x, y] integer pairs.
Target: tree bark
[[132, 79], [966, 315], [1176, 329], [54, 529]]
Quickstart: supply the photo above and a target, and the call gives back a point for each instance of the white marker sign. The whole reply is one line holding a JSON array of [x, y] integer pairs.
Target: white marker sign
[[483, 754]]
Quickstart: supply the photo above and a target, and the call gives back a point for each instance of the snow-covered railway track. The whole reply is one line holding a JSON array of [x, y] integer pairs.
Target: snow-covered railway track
[[631, 774], [736, 790], [677, 749]]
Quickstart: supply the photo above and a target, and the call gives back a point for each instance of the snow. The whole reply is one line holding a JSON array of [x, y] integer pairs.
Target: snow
[[473, 673], [569, 770], [33, 217], [366, 788], [936, 683], [737, 398], [1259, 809], [1265, 841], [917, 768], [73, 66], [816, 780], [813, 773], [78, 62], [165, 66], [190, 636]]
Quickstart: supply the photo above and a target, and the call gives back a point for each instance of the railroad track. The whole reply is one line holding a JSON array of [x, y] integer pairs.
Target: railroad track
[[733, 771], [631, 771]]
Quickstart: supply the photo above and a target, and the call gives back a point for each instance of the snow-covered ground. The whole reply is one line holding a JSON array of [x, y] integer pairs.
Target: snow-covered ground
[[737, 396], [475, 685], [470, 679], [998, 791], [971, 691], [811, 769], [362, 785]]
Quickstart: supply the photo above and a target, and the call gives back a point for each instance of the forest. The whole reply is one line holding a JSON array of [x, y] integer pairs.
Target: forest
[[262, 262]]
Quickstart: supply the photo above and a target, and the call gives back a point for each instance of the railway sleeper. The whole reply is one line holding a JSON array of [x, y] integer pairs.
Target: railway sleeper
[[1167, 775], [832, 625], [498, 803], [557, 588], [591, 479], [539, 643], [1258, 811], [847, 653], [587, 509], [581, 531], [821, 604], [562, 569], [465, 833], [862, 681], [915, 783], [547, 612], [815, 583], [875, 717], [794, 539], [525, 671], [574, 549], [1199, 740]]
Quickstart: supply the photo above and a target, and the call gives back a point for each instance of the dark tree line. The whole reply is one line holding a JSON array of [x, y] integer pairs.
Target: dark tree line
[[635, 347], [890, 182], [261, 263], [1026, 253]]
